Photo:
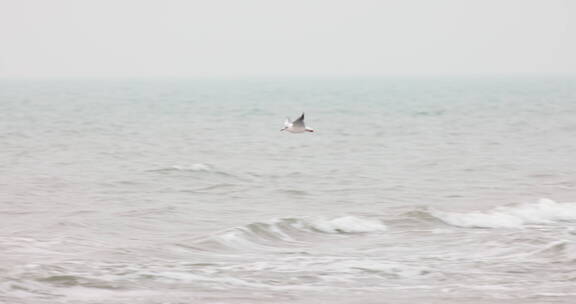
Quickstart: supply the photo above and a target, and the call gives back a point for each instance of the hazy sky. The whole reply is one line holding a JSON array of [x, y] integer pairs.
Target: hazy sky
[[124, 38]]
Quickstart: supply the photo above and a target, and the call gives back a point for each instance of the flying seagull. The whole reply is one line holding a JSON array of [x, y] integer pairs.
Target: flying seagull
[[296, 126]]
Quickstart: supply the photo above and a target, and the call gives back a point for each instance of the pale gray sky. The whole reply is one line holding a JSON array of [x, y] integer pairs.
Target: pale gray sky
[[150, 38]]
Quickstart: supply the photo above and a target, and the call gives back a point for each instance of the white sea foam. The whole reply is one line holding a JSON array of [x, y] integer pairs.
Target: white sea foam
[[339, 267], [545, 211]]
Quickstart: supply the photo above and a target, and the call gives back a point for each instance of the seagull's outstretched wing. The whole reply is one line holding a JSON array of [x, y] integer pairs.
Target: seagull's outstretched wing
[[299, 123]]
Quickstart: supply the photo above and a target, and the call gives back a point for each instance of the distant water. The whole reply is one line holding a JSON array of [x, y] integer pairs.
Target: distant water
[[410, 191]]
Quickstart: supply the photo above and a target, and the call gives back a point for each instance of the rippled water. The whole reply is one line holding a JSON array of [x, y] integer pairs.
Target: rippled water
[[410, 190]]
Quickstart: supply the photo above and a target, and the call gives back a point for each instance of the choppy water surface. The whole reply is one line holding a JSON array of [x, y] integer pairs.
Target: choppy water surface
[[409, 191]]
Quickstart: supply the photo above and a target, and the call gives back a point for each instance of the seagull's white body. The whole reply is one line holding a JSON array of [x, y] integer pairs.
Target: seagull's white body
[[296, 126]]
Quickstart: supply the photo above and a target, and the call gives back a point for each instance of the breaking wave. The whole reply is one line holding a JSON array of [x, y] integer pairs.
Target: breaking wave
[[345, 224], [278, 233], [545, 211], [300, 232]]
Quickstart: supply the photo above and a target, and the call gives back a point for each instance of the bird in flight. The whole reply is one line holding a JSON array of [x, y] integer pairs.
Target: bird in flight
[[296, 126]]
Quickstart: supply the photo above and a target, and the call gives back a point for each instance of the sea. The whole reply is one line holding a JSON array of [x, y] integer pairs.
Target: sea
[[446, 190]]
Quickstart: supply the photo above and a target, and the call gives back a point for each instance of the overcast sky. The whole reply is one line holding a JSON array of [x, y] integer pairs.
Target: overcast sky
[[152, 38]]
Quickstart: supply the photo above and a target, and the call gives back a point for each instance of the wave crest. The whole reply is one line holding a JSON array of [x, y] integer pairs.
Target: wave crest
[[293, 232], [197, 170], [545, 211], [198, 167], [345, 224]]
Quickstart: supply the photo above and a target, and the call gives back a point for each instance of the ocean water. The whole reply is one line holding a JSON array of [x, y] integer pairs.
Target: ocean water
[[185, 191]]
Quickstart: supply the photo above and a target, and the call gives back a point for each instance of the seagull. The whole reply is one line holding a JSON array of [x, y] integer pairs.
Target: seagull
[[296, 126]]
